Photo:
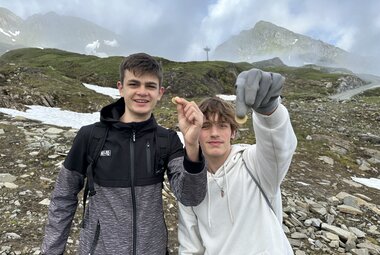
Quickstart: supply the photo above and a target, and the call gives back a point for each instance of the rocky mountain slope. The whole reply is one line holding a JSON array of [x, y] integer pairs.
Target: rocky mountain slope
[[266, 40], [51, 30], [325, 211], [9, 24]]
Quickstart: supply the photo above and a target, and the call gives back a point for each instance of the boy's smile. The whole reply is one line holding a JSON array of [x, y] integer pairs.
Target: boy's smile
[[141, 94]]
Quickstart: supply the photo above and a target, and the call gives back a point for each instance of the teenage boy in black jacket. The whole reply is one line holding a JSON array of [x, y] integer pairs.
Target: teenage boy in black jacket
[[125, 216]]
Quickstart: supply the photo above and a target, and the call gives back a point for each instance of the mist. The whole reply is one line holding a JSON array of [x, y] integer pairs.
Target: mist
[[179, 30]]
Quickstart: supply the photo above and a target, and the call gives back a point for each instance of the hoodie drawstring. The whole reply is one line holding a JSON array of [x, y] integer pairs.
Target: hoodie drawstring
[[225, 181], [209, 203], [228, 199]]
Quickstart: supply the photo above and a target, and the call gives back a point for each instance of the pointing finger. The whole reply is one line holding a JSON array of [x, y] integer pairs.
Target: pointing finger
[[264, 85], [241, 108], [252, 86]]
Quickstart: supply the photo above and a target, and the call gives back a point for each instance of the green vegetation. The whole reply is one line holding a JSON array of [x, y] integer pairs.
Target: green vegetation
[[306, 83], [33, 73], [305, 73], [83, 68], [371, 96], [323, 127]]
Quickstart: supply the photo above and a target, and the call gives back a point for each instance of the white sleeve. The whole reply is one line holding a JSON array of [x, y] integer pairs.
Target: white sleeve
[[190, 242], [275, 146]]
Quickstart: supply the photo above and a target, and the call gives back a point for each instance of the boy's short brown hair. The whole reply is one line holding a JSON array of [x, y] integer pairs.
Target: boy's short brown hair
[[140, 63], [215, 106]]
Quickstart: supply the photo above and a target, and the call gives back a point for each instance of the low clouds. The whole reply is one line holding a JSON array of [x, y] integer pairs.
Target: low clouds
[[112, 43], [351, 25], [179, 30], [91, 48]]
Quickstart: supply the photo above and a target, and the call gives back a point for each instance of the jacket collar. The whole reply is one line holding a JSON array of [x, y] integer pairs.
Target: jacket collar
[[112, 113]]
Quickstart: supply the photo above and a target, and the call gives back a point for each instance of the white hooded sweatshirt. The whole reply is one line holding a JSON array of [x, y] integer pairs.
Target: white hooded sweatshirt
[[240, 221]]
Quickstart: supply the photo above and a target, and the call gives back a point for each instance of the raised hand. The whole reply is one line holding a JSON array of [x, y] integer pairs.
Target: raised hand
[[190, 120], [259, 90]]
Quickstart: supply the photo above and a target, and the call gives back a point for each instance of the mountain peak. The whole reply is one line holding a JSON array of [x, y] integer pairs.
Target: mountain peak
[[5, 11], [8, 20], [51, 14], [266, 40], [263, 23], [54, 30]]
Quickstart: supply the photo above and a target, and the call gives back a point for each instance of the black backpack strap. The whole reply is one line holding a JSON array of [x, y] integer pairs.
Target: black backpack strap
[[95, 144], [260, 188], [162, 150]]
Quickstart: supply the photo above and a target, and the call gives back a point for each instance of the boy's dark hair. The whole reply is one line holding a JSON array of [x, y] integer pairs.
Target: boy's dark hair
[[140, 63], [215, 106]]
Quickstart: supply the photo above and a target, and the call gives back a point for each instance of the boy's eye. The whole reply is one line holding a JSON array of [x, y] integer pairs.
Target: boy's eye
[[152, 86], [206, 125], [223, 125]]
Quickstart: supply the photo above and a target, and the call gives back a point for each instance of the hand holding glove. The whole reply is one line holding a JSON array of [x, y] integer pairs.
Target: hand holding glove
[[259, 90]]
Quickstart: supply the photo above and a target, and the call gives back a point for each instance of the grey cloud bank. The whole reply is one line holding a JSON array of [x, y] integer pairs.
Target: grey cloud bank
[[179, 30]]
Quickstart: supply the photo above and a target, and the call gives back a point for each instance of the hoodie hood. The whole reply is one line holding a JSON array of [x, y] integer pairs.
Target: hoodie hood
[[229, 164], [112, 113]]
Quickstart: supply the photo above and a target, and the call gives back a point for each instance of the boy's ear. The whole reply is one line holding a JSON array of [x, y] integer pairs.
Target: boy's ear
[[233, 135], [119, 85], [120, 88], [161, 92]]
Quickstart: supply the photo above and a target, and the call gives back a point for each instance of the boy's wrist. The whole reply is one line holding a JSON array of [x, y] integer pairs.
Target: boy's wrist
[[192, 152], [194, 167]]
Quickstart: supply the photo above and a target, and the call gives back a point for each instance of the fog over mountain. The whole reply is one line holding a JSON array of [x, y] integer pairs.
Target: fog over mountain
[[266, 40], [51, 30]]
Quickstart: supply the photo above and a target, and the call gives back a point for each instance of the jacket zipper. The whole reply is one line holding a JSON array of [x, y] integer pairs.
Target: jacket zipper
[[148, 159], [132, 154]]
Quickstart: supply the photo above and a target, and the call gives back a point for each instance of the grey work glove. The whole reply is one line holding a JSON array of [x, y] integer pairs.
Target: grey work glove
[[259, 90]]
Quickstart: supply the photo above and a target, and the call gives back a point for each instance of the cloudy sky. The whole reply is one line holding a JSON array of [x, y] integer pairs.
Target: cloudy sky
[[180, 29]]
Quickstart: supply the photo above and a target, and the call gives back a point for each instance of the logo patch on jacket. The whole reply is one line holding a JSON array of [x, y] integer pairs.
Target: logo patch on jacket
[[105, 153]]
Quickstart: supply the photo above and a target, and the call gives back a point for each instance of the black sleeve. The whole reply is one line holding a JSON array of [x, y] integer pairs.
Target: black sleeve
[[177, 150], [188, 180], [175, 147], [76, 159], [194, 167]]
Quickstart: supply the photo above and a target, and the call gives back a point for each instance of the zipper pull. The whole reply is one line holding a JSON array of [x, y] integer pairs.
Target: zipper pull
[[134, 136]]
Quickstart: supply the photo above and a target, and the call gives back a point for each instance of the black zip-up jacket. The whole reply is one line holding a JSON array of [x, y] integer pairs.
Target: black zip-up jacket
[[125, 216]]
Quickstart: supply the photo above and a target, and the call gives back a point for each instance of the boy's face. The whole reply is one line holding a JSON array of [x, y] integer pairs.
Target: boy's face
[[141, 95], [215, 139]]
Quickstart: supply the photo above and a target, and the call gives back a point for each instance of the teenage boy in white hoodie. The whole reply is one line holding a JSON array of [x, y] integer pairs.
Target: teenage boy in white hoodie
[[236, 217]]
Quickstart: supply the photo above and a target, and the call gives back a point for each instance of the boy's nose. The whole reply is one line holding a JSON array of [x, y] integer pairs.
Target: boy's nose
[[142, 90], [214, 130]]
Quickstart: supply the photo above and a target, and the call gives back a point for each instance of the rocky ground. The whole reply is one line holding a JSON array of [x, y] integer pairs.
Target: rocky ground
[[325, 211]]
